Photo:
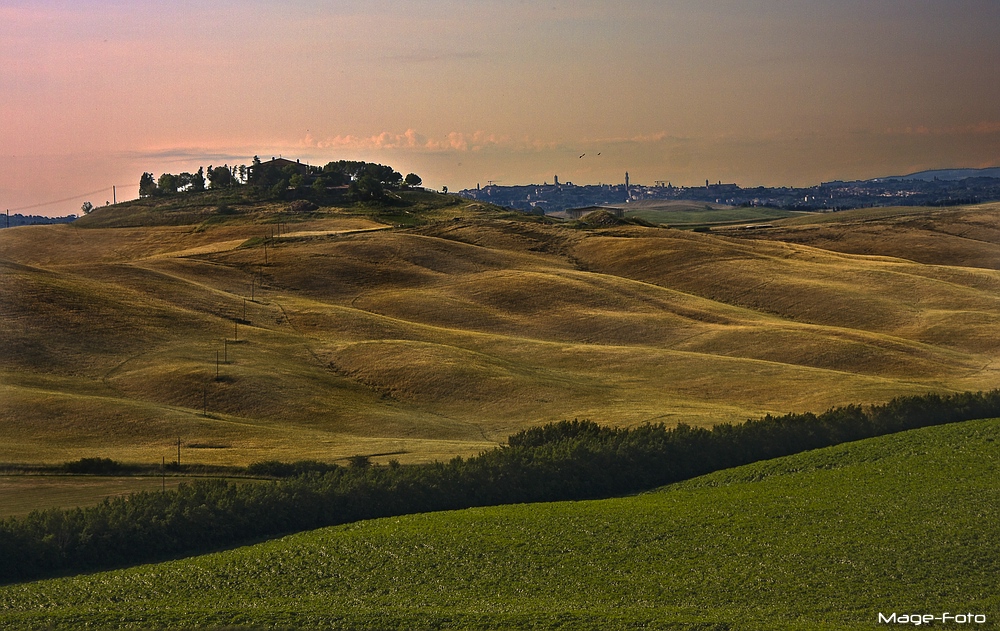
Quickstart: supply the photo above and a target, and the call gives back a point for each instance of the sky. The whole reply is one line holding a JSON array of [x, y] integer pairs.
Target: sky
[[757, 92]]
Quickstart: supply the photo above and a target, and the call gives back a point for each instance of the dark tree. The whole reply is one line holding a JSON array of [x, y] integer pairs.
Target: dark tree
[[254, 172], [198, 180], [366, 188], [147, 185], [359, 462], [167, 183], [319, 187], [412, 179], [386, 175], [220, 177]]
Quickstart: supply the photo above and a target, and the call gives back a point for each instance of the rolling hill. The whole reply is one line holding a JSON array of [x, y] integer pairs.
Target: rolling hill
[[823, 540], [681, 213], [963, 237], [440, 326]]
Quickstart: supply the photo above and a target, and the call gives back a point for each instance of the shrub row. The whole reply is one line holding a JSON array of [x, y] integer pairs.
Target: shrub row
[[569, 460]]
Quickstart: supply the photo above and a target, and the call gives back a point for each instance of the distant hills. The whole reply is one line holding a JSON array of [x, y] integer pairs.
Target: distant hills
[[947, 174], [11, 221]]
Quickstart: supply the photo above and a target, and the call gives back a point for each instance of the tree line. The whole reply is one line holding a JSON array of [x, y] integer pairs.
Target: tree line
[[364, 181], [569, 460]]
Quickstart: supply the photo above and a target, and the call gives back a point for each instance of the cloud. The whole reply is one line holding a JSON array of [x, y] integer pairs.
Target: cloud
[[991, 127], [208, 155], [412, 140], [639, 139], [979, 129]]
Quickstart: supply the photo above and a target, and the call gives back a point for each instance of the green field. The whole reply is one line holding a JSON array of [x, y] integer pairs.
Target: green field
[[691, 214], [823, 540]]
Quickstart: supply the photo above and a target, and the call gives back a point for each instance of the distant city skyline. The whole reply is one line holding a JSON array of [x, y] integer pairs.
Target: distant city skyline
[[756, 92]]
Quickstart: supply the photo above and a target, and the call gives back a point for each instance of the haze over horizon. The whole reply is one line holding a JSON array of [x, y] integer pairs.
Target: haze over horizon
[[757, 92]]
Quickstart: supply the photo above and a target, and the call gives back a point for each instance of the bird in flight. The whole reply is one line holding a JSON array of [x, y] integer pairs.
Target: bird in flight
[[582, 154]]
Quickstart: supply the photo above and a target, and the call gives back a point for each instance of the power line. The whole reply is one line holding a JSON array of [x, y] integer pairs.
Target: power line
[[67, 199]]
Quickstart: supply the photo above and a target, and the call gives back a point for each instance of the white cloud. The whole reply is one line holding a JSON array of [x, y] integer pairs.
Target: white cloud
[[411, 139]]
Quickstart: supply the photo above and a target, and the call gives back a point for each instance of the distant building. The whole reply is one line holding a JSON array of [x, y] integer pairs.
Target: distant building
[[281, 163]]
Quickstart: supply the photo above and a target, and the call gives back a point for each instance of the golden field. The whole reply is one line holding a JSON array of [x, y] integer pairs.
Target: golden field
[[440, 339]]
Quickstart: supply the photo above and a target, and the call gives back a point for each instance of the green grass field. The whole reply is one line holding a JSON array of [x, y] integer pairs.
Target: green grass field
[[823, 540], [690, 214]]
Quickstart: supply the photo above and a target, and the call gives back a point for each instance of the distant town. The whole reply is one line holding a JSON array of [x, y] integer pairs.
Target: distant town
[[944, 187]]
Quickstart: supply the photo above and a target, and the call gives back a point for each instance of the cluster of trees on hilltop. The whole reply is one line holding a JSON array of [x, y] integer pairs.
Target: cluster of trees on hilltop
[[561, 461], [169, 183], [283, 179]]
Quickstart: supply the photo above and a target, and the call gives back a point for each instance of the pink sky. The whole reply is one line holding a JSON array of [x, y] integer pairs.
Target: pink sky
[[755, 92]]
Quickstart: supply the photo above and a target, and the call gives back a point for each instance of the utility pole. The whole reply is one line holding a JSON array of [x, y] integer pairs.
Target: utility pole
[[114, 195], [178, 452], [225, 349], [244, 309], [216, 365], [236, 331], [8, 217], [163, 474]]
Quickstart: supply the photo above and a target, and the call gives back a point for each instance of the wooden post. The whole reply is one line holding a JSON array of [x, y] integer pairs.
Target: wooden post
[[244, 309], [163, 474], [114, 195], [178, 453], [225, 350], [236, 325], [216, 365], [204, 402]]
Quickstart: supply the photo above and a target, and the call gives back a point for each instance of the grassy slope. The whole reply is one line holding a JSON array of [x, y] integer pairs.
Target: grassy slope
[[442, 339], [820, 540], [684, 213], [21, 494], [965, 236]]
